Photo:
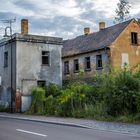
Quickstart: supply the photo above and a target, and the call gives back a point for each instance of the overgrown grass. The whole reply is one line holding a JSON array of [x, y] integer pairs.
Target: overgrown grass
[[114, 96]]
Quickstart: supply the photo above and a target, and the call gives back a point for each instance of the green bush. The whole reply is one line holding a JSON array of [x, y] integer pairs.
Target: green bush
[[113, 96], [53, 90], [73, 97], [51, 105], [38, 101]]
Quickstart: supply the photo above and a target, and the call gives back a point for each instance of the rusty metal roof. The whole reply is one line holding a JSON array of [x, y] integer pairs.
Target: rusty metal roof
[[94, 41]]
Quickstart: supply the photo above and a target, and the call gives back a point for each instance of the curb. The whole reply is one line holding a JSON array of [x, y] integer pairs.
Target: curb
[[45, 121], [68, 124]]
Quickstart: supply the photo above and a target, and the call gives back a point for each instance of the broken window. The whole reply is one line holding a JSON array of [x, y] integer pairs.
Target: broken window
[[41, 83], [45, 58], [66, 67], [134, 38], [87, 63], [98, 61], [76, 65], [6, 59]]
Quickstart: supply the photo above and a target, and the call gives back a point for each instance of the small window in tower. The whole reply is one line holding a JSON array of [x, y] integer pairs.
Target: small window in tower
[[45, 58], [6, 59]]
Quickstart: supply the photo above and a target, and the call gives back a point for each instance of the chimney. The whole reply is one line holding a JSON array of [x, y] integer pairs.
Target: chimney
[[101, 25], [24, 26], [86, 31]]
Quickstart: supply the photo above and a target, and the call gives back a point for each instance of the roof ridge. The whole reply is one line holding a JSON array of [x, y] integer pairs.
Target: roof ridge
[[120, 23], [102, 29]]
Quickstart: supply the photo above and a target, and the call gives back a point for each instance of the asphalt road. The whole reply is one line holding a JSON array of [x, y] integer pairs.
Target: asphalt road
[[12, 129]]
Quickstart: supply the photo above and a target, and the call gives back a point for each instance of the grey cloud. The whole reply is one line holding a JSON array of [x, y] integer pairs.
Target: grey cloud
[[57, 23], [7, 15], [26, 4], [134, 2], [84, 5]]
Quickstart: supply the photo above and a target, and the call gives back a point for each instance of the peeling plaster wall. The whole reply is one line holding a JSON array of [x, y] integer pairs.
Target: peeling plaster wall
[[81, 58], [5, 72], [29, 65]]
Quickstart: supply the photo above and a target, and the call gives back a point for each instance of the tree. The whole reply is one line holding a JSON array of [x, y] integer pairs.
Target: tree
[[138, 20], [122, 11]]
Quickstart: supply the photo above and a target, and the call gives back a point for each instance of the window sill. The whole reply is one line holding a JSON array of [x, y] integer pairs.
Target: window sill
[[87, 70], [5, 66], [135, 44], [66, 74], [45, 65], [76, 71], [99, 68]]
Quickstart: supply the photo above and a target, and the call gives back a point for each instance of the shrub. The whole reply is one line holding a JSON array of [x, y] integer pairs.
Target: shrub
[[53, 90], [38, 101], [51, 105]]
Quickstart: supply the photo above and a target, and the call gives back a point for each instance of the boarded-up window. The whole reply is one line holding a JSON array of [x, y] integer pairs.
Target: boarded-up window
[[125, 60]]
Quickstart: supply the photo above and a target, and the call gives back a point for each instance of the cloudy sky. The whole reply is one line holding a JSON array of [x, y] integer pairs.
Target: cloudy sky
[[63, 18]]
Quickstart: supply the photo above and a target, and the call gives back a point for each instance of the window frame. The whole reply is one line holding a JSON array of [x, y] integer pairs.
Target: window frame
[[6, 59], [99, 61], [41, 81], [44, 56], [66, 68], [76, 65], [134, 38], [87, 62]]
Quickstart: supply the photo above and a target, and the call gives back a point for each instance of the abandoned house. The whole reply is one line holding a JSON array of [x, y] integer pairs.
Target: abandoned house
[[95, 52], [26, 61]]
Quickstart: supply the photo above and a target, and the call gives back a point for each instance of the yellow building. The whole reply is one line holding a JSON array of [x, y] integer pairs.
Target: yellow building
[[92, 52]]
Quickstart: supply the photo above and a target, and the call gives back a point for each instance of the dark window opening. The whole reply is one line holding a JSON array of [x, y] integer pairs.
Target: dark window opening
[[134, 38], [76, 65], [41, 83], [98, 61], [66, 67], [87, 63], [45, 58], [5, 59]]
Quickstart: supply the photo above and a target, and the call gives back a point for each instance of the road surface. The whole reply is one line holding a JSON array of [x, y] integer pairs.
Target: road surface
[[12, 129]]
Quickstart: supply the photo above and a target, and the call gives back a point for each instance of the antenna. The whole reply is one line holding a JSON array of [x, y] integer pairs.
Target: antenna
[[9, 21]]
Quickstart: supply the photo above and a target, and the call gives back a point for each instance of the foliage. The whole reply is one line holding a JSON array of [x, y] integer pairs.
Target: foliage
[[138, 20], [38, 101], [122, 11], [113, 96], [53, 90], [74, 96], [50, 105]]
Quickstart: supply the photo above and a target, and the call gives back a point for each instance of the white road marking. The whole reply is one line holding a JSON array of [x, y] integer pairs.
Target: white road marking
[[29, 132]]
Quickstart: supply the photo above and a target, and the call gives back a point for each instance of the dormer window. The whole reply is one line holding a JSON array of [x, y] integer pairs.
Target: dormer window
[[134, 38]]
